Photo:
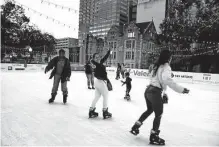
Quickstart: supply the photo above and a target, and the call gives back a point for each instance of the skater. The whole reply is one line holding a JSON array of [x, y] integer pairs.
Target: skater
[[61, 71], [160, 79], [118, 71], [123, 70], [150, 69], [128, 85], [100, 85], [89, 74]]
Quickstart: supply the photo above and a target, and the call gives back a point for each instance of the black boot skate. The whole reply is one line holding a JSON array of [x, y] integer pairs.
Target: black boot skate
[[135, 128], [65, 98], [93, 87], [106, 114], [92, 113], [51, 100], [155, 139]]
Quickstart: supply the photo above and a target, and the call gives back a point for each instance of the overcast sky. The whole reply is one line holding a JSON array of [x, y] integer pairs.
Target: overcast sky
[[63, 15]]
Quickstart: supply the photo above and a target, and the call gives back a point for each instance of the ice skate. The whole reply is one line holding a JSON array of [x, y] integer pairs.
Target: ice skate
[[155, 139], [93, 88], [51, 100], [65, 98], [106, 114], [89, 87], [92, 113], [135, 128]]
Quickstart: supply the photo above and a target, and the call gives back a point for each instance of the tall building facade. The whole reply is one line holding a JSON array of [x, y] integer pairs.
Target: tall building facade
[[97, 17]]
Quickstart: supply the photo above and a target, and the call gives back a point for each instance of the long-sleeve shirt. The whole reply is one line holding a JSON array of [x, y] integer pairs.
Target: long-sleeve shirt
[[163, 79], [100, 70]]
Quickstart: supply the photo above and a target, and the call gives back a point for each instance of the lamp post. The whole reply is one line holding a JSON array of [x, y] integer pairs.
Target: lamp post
[[30, 51], [110, 57], [10, 58]]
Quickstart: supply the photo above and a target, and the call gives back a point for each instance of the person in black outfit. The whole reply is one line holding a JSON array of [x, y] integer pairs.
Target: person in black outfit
[[118, 71], [128, 85], [61, 71], [100, 85], [160, 79], [89, 74]]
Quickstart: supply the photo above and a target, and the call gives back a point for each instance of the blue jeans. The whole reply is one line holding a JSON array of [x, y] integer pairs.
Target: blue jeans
[[154, 104]]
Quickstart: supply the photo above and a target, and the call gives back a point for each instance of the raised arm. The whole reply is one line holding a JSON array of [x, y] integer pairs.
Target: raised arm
[[105, 57], [166, 77]]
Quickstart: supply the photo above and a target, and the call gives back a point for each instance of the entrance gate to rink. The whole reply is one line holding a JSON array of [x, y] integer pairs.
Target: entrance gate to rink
[[185, 77]]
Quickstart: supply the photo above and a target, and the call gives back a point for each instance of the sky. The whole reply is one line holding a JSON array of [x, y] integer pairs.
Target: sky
[[63, 15]]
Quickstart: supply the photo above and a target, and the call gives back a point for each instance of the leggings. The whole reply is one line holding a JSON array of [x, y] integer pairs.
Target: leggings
[[154, 104], [100, 89]]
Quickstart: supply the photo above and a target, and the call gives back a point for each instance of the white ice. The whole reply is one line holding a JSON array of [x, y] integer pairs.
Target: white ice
[[28, 119]]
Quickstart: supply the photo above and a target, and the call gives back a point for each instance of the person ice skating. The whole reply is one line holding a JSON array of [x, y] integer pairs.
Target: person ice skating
[[100, 84], [160, 79], [123, 70], [89, 74], [128, 85], [61, 71], [150, 69], [118, 71]]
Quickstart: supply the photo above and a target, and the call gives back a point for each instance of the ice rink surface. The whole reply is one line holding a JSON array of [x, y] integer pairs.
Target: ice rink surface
[[28, 119]]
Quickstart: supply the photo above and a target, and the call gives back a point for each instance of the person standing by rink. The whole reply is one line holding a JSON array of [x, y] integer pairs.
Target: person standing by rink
[[100, 85], [123, 70], [118, 71], [61, 71], [160, 79], [89, 74]]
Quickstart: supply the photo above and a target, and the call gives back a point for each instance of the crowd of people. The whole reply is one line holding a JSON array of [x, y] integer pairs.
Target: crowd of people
[[155, 93]]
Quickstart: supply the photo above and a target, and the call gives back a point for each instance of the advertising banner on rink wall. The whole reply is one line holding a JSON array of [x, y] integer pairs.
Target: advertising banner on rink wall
[[185, 77]]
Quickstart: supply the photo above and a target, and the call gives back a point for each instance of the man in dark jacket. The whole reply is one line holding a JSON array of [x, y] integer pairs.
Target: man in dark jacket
[[89, 74], [61, 71]]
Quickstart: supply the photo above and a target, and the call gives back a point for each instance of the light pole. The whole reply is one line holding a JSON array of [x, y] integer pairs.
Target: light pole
[[30, 51], [10, 58], [110, 57]]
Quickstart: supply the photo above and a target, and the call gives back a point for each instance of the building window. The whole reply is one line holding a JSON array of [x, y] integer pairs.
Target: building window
[[128, 55], [131, 34], [128, 43], [133, 44], [115, 45], [133, 55], [114, 55]]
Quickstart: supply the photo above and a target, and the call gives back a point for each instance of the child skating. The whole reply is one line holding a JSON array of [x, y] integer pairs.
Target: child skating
[[128, 83]]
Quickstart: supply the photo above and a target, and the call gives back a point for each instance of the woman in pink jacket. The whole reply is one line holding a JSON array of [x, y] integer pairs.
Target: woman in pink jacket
[[160, 79]]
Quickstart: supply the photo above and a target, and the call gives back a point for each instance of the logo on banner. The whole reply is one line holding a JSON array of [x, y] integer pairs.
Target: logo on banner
[[9, 67], [206, 77]]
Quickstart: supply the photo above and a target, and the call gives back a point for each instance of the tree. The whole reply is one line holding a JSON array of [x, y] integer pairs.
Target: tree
[[16, 29]]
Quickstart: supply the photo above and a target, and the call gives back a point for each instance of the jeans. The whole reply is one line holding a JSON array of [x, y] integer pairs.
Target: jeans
[[154, 104], [55, 87], [90, 79], [100, 89]]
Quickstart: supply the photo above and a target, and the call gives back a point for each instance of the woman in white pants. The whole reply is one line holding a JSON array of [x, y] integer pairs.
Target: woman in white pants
[[100, 84]]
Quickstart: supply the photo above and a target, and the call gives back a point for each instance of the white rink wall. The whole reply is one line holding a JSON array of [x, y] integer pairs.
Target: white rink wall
[[184, 77]]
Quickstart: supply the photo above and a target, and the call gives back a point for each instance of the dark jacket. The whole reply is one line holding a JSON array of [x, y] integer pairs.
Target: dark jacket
[[127, 82], [100, 70], [88, 69], [66, 70]]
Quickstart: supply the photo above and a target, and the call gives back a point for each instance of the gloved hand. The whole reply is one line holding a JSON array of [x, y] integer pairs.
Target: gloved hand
[[165, 99], [46, 70], [185, 91], [67, 79]]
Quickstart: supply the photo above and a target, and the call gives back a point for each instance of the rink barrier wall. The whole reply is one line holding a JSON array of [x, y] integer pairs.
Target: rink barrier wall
[[185, 77], [182, 77]]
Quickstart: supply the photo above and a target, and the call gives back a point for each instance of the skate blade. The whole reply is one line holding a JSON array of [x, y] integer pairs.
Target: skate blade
[[94, 116], [108, 117], [132, 132], [153, 143]]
